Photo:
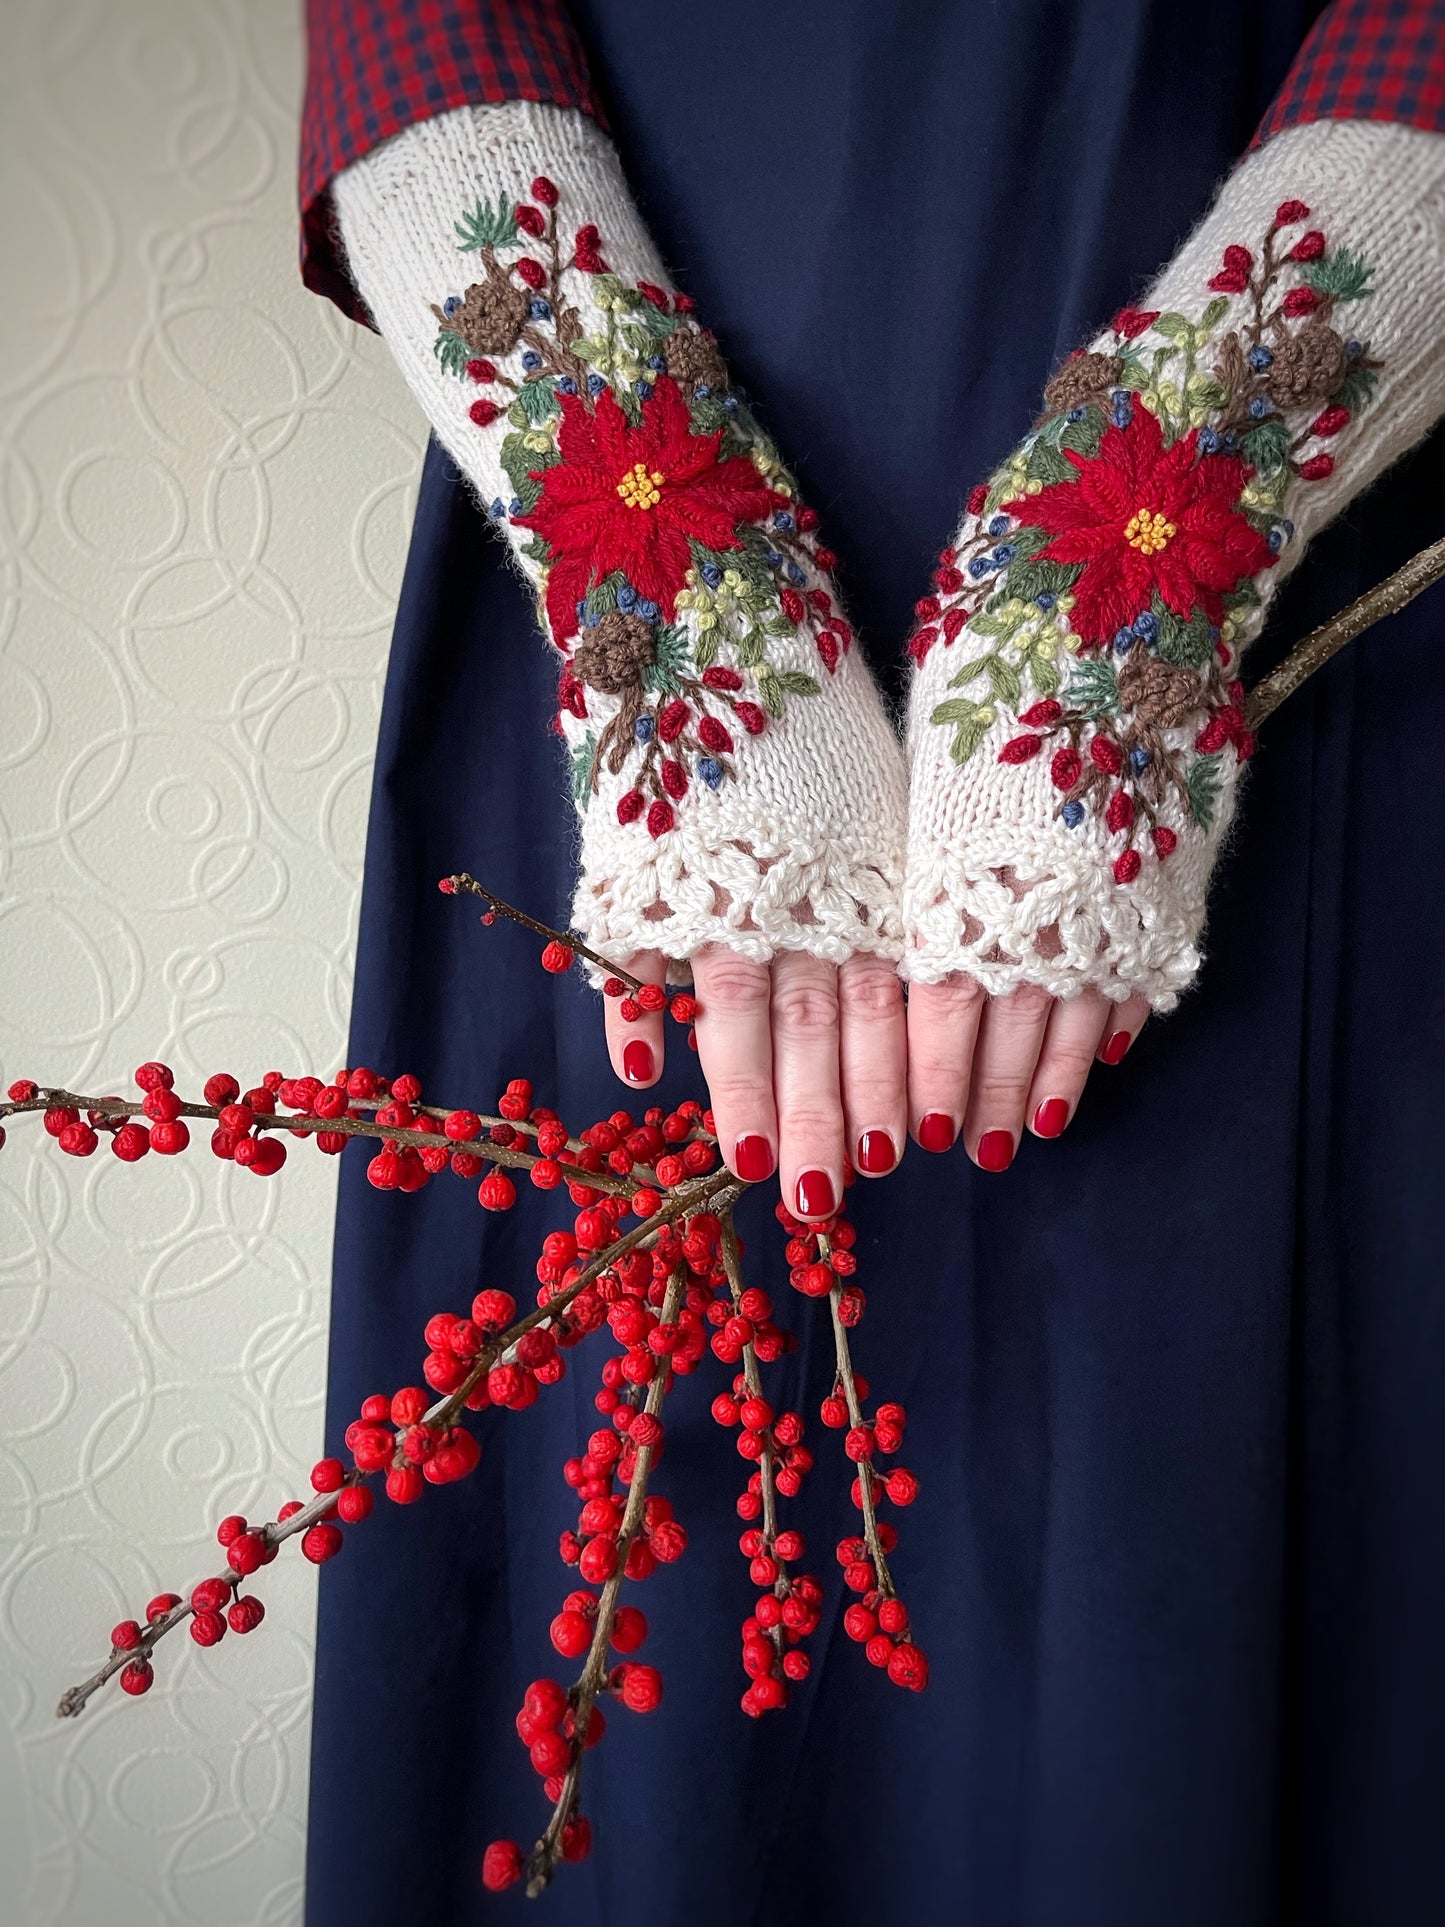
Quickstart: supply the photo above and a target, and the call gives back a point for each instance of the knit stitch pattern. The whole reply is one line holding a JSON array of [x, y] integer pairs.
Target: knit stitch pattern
[[736, 777], [1076, 726]]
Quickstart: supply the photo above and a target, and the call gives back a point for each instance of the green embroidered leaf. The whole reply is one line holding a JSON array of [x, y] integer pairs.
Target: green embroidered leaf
[[1201, 786], [704, 650], [1094, 688], [1084, 435], [538, 401], [708, 414], [798, 684], [1205, 392], [732, 444], [1003, 681], [970, 672], [770, 691], [1246, 596], [537, 549], [584, 757], [1174, 327], [1267, 445], [1189, 644], [1029, 580], [985, 625], [617, 294], [601, 597], [751, 649], [1356, 389], [590, 348], [487, 227], [629, 402], [1026, 541], [1342, 272], [518, 463], [670, 661], [779, 626], [451, 352], [1045, 676], [654, 323], [1214, 311], [1046, 465], [971, 730]]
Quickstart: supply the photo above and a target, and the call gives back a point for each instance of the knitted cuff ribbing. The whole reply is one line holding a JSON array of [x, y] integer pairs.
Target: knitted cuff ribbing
[[1076, 728], [736, 778]]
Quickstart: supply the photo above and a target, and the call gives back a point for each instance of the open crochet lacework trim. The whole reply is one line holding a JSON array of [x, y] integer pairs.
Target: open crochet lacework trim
[[832, 904]]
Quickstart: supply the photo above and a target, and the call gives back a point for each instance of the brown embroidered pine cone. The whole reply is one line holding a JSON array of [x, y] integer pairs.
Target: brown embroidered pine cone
[[612, 656], [694, 359], [1307, 368], [491, 316], [1161, 694], [1083, 379]]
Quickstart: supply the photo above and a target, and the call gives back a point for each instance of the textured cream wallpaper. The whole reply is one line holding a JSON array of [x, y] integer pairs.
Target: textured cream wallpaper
[[206, 479]]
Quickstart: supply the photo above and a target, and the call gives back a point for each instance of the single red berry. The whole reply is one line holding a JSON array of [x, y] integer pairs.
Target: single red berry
[[558, 957], [322, 1542], [131, 1142], [503, 1862], [137, 1678], [246, 1614], [126, 1636], [484, 412], [353, 1504], [208, 1627]]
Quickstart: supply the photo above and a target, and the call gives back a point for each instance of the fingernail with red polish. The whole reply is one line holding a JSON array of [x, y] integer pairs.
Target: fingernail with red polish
[[637, 1062], [753, 1158], [936, 1132], [996, 1150], [1114, 1050], [1052, 1117], [876, 1153], [815, 1195]]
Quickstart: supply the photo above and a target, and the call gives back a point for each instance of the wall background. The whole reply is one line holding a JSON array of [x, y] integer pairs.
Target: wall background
[[205, 485]]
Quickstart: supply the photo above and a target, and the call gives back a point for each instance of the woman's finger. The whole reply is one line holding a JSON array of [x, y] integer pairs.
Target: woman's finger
[[943, 1022], [1009, 1039], [873, 1051], [806, 1086], [735, 1049], [1074, 1030], [1124, 1026], [636, 1049]]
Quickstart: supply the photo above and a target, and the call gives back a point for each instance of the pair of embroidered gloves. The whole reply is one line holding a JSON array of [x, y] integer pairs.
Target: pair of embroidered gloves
[[1076, 730]]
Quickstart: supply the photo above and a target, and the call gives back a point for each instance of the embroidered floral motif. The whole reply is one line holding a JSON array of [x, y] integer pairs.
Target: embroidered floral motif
[[1119, 545], [674, 554]]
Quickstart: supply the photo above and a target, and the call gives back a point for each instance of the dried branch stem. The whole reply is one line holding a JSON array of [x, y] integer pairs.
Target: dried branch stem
[[855, 1417]]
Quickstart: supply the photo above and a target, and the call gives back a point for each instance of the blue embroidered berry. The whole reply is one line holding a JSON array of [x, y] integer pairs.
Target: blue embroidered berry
[[1045, 601], [701, 392], [627, 598], [980, 565], [566, 385], [782, 520], [1076, 414], [1208, 441], [730, 406], [643, 388], [541, 310], [1124, 641], [1139, 758], [1121, 413], [649, 611], [1146, 627], [998, 526], [1260, 358], [514, 507], [796, 575], [656, 361], [1353, 350], [1073, 814], [773, 559], [1005, 552], [451, 304], [497, 511], [1275, 539], [642, 729], [595, 385], [1259, 408], [711, 771], [711, 574], [531, 360]]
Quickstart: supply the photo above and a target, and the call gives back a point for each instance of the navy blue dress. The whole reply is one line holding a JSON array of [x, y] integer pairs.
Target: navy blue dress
[[1174, 1383]]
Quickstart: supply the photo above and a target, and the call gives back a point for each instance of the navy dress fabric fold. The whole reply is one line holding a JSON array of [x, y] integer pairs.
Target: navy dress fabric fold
[[1174, 1382]]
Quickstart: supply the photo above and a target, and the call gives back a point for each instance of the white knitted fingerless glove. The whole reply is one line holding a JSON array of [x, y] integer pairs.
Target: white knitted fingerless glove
[[736, 776], [1076, 729]]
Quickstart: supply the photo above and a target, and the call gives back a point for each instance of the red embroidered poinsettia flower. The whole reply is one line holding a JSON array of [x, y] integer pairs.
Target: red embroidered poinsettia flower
[[630, 498], [1143, 517]]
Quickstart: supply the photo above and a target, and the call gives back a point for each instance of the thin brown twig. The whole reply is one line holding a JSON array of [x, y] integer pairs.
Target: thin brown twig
[[855, 1417], [462, 881], [767, 1464]]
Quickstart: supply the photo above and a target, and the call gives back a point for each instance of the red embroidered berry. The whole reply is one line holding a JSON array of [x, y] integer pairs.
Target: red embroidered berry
[[1105, 754], [1165, 842], [1309, 247], [479, 369], [558, 957], [1300, 301], [503, 1862], [660, 818], [1042, 715], [793, 606], [978, 499], [1330, 422], [587, 249], [1021, 749], [1120, 813], [919, 644], [484, 412], [531, 220], [722, 678], [630, 806], [137, 1678], [674, 781], [1128, 866], [713, 736], [1288, 212], [753, 719], [1066, 768], [1316, 468], [1230, 281], [1131, 322], [532, 272], [544, 191]]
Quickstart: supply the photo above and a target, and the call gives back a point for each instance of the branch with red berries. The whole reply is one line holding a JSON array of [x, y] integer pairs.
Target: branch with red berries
[[652, 1258]]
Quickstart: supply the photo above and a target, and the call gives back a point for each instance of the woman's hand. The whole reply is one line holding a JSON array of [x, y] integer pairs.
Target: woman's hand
[[805, 1062]]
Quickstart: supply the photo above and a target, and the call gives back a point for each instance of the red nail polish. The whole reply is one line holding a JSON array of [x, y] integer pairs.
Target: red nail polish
[[1114, 1050], [637, 1062], [1051, 1118], [753, 1158], [996, 1150], [936, 1132], [815, 1195], [876, 1153]]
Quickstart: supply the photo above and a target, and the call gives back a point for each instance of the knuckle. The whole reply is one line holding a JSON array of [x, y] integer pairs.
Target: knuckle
[[732, 984], [806, 1007], [1001, 1090], [737, 1094], [811, 1123], [870, 994], [1068, 1064], [956, 997], [1023, 1007]]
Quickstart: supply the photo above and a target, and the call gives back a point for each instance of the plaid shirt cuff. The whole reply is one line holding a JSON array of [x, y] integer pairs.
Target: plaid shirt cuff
[[1367, 60], [376, 66]]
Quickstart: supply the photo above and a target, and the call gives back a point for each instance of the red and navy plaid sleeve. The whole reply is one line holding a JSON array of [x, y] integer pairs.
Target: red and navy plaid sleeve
[[375, 66], [1367, 60]]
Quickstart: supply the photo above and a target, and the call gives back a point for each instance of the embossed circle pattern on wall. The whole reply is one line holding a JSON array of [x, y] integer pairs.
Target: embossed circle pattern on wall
[[206, 481]]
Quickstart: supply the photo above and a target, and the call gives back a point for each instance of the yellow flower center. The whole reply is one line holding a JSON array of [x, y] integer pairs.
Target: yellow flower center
[[642, 489], [1148, 532]]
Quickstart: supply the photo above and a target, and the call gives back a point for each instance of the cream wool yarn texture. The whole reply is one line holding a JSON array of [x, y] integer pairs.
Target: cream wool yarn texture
[[799, 845], [999, 885]]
